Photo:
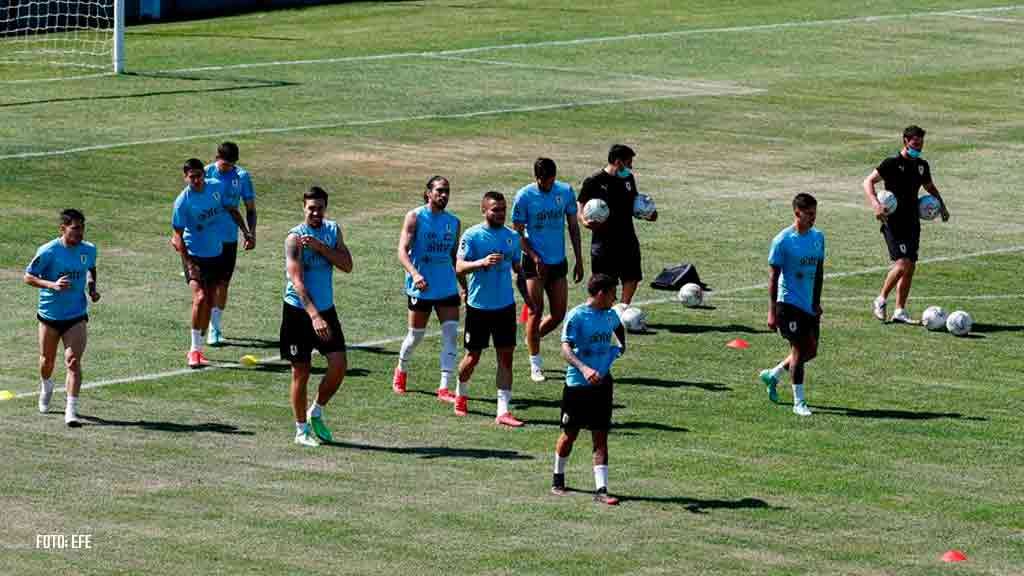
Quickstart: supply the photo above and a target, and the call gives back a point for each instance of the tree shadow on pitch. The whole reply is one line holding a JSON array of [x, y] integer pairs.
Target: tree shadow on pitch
[[701, 329], [177, 427], [987, 328], [885, 414], [432, 452], [659, 383]]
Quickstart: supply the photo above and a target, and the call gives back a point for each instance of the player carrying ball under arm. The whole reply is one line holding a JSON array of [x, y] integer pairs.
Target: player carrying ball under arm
[[540, 213], [309, 320], [426, 249], [63, 269], [796, 260], [589, 348]]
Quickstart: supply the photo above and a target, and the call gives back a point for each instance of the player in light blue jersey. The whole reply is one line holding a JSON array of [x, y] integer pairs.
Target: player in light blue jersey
[[540, 213], [426, 249], [589, 346], [309, 320], [237, 188], [195, 217], [796, 259], [63, 270], [488, 253]]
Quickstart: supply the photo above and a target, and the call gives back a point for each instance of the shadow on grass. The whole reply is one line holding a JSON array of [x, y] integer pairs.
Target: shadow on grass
[[250, 343], [987, 328], [882, 414], [176, 427], [286, 368], [620, 428], [523, 403], [431, 452], [375, 350], [700, 329], [694, 505], [659, 383]]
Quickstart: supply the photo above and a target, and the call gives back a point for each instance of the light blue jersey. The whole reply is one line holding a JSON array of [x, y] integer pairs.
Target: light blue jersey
[[53, 260], [198, 213], [591, 333], [431, 254], [543, 214], [237, 188], [490, 288], [317, 271], [798, 256]]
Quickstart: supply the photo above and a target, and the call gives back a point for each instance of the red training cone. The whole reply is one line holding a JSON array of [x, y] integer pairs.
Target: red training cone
[[738, 343], [524, 316], [954, 556]]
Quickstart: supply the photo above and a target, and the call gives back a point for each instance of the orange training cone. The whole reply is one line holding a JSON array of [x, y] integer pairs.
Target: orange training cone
[[738, 343], [954, 556]]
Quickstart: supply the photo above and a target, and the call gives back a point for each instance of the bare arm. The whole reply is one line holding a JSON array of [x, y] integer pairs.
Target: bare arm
[[589, 373], [574, 239], [773, 294], [239, 221], [405, 240], [339, 256], [819, 279], [869, 192], [463, 267], [178, 242], [90, 283], [293, 267], [250, 216], [620, 333], [37, 282]]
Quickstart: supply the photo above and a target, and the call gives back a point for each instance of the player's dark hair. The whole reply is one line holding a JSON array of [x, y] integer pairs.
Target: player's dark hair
[[913, 131], [192, 164], [315, 193], [430, 184], [71, 215], [544, 168], [600, 283], [620, 152], [228, 152], [493, 195], [803, 201]]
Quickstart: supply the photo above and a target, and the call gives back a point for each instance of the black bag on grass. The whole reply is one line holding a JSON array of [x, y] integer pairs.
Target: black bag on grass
[[673, 278]]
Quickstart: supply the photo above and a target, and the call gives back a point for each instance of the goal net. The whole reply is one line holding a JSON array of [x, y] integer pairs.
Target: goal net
[[58, 37]]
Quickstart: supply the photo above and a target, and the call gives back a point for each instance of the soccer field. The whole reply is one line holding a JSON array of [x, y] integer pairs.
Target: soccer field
[[915, 445]]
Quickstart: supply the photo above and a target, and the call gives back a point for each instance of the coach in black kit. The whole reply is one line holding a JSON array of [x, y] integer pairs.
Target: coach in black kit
[[614, 247], [904, 174]]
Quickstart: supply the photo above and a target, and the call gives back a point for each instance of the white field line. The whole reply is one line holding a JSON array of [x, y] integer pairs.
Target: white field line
[[384, 341], [990, 19], [869, 297], [602, 39]]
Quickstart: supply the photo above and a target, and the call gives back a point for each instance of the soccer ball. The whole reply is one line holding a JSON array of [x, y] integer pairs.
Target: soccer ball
[[887, 200], [596, 210], [928, 207], [632, 318], [959, 323], [934, 318], [691, 295], [643, 206]]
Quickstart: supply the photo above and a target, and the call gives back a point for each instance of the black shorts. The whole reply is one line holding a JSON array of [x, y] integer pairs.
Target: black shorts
[[228, 256], [794, 324], [209, 270], [588, 406], [484, 325], [554, 273], [902, 241], [621, 265], [426, 305], [298, 339], [62, 326]]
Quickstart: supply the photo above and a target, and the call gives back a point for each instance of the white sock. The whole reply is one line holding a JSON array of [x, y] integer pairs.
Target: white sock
[[197, 339], [72, 405], [462, 389], [560, 463], [601, 477], [798, 393], [445, 379], [412, 339], [47, 381], [301, 428], [536, 362], [504, 396], [315, 411], [215, 318], [449, 346], [779, 369]]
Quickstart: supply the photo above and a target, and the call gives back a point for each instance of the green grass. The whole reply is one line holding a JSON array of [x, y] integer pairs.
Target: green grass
[[914, 447]]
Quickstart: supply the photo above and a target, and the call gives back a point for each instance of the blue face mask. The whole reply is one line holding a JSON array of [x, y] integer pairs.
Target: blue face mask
[[913, 152], [624, 173]]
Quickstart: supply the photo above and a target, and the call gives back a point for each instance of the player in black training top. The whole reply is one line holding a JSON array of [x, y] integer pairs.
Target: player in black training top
[[904, 174], [614, 248]]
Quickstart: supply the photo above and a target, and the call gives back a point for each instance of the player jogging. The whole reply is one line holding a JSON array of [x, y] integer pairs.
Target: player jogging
[[904, 174], [796, 261], [588, 346], [427, 247], [63, 270], [539, 214], [309, 320]]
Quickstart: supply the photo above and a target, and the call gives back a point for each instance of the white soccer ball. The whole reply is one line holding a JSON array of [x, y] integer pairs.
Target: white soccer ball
[[596, 210], [959, 323], [887, 200], [934, 318], [691, 295], [643, 206], [928, 207], [634, 319]]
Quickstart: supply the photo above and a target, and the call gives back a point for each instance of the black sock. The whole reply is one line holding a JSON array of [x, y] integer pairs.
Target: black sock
[[558, 480]]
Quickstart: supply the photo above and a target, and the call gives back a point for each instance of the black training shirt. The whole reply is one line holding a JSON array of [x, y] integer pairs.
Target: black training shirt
[[904, 178], [618, 233]]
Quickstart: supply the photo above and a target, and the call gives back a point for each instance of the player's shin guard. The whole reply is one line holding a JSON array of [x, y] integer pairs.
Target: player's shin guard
[[411, 341], [449, 348]]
